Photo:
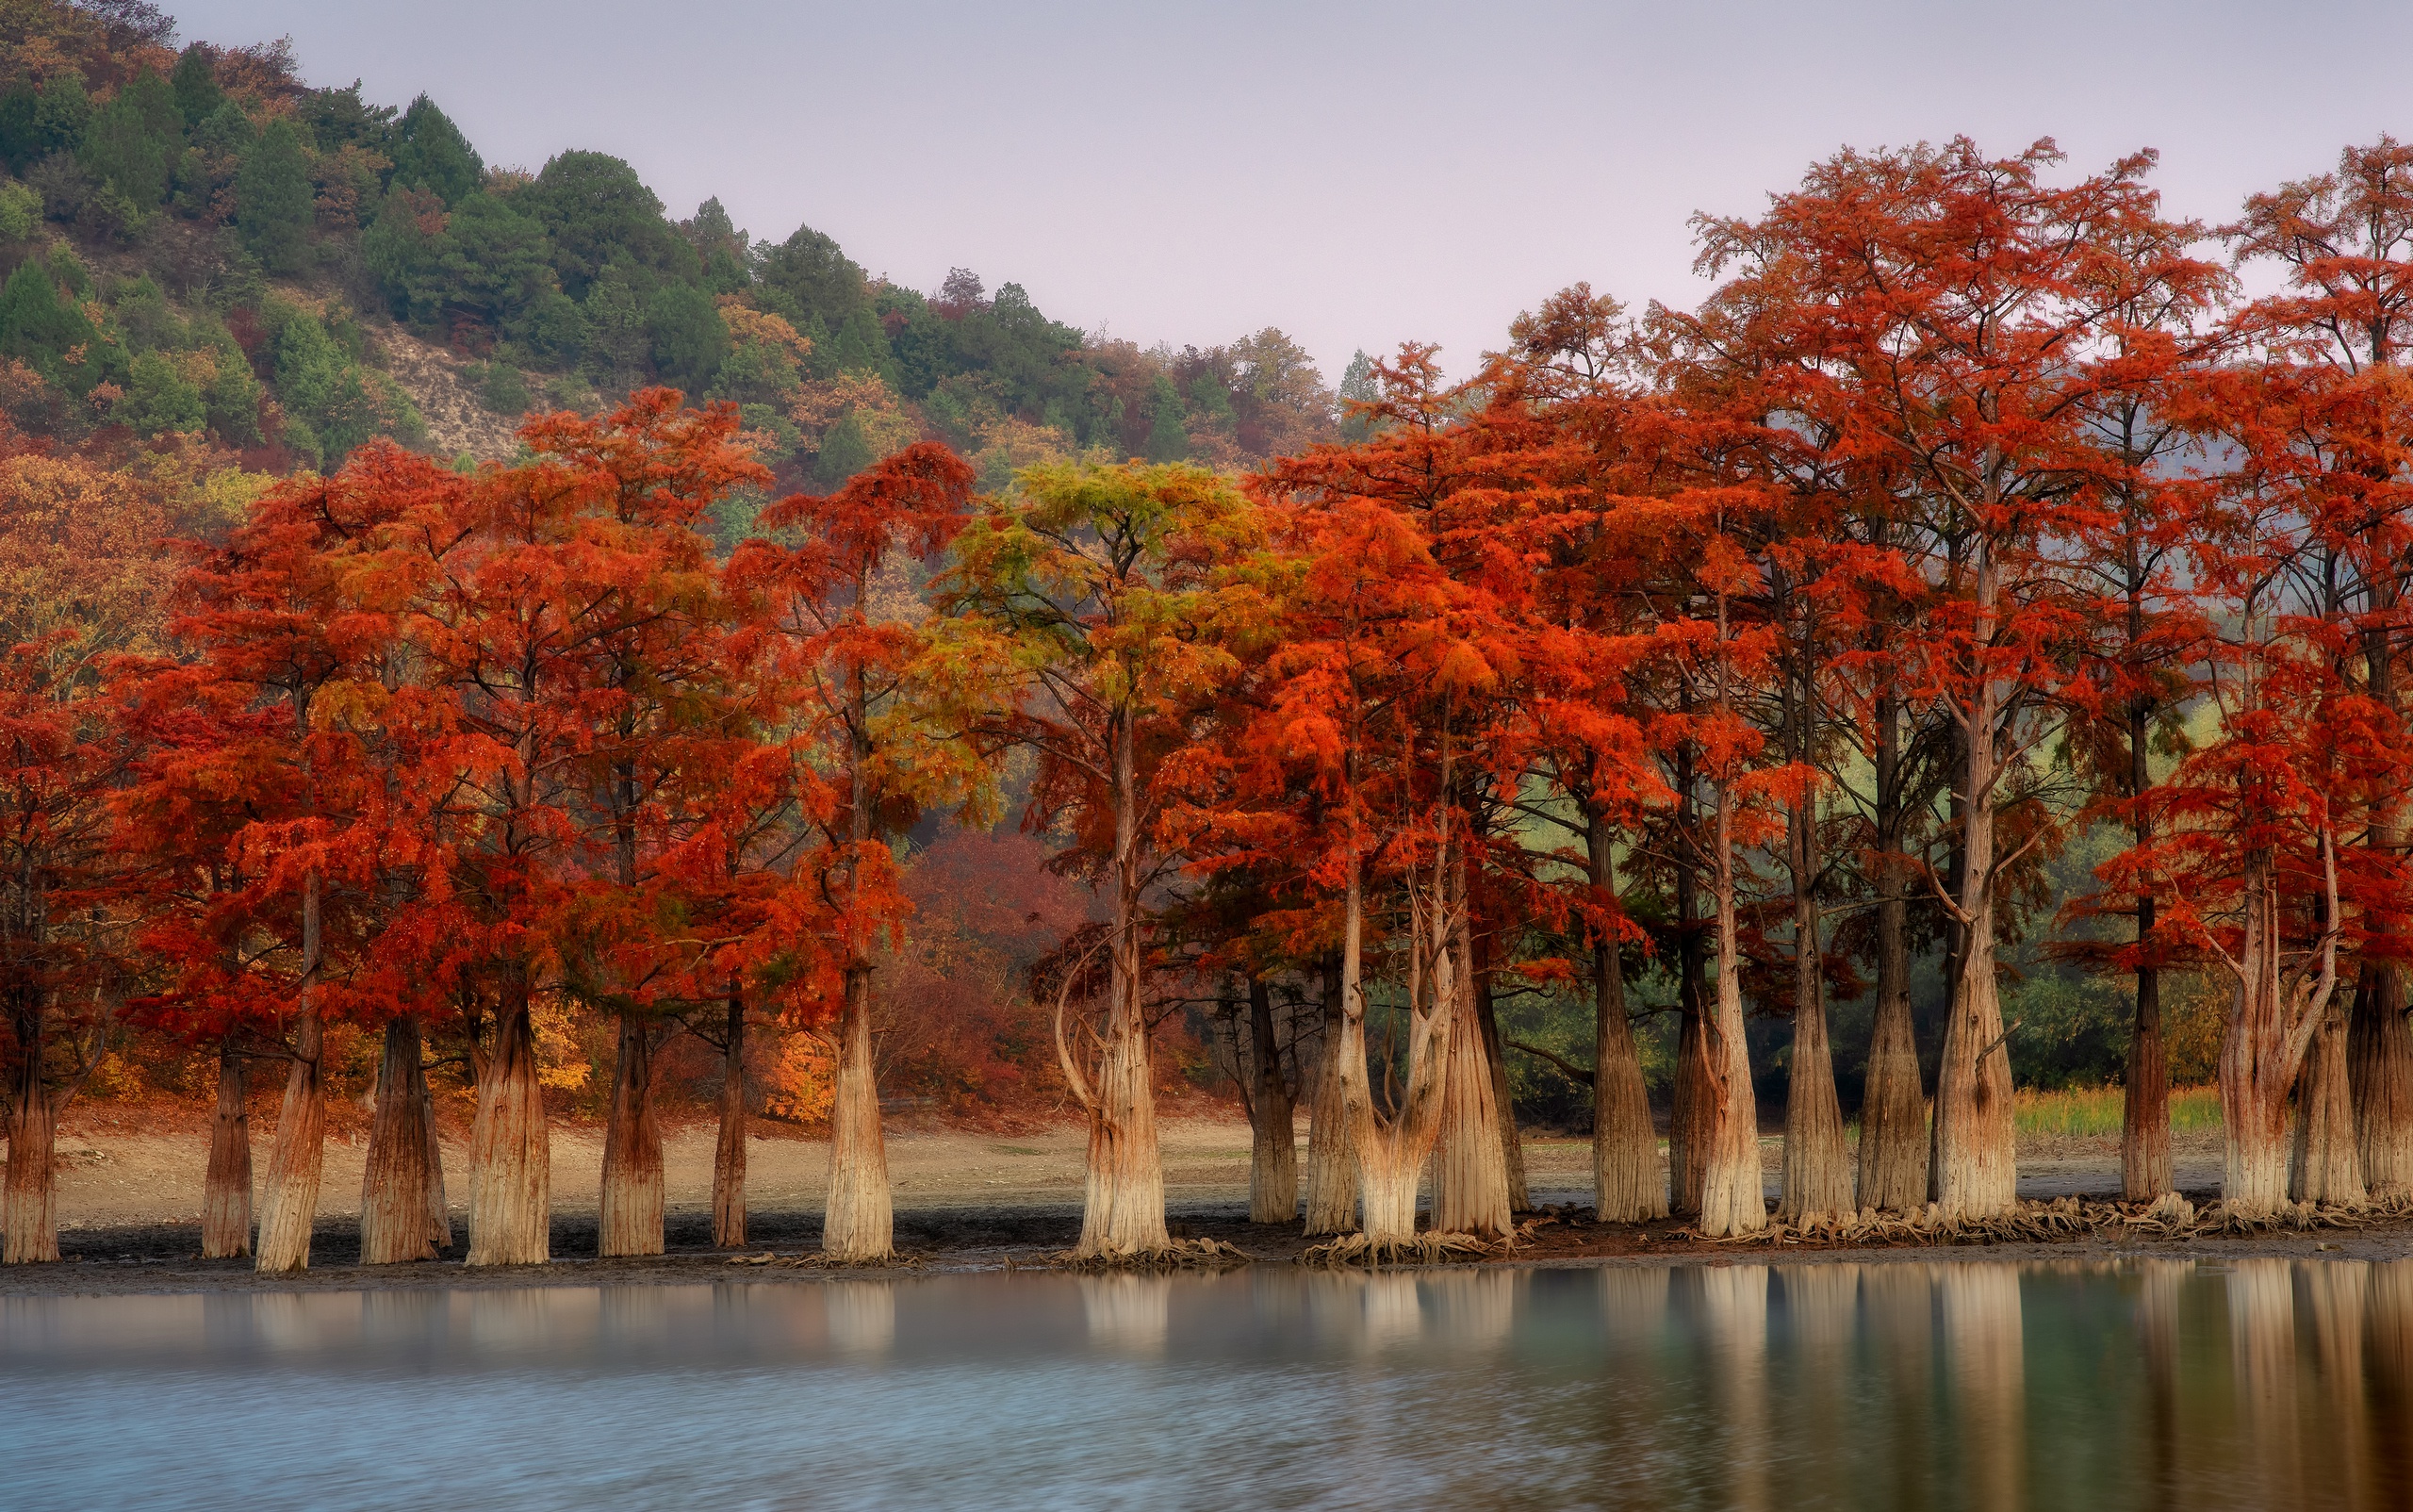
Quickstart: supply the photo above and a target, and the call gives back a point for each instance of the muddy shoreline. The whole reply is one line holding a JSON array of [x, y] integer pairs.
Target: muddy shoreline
[[968, 1200], [160, 1258]]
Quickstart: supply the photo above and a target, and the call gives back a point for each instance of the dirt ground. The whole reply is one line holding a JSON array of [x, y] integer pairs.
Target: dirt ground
[[112, 1180], [129, 1208]]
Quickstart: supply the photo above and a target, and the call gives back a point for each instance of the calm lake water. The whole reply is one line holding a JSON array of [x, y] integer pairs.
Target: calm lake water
[[2248, 1383]]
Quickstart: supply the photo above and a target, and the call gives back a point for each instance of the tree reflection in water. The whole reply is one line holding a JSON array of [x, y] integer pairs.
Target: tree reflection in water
[[2202, 1384], [1986, 1364]]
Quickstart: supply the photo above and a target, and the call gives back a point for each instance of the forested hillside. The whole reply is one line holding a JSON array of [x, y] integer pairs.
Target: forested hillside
[[203, 245]]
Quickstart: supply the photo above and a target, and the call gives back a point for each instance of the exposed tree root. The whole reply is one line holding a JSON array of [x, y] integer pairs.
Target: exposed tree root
[[814, 1261], [2065, 1218], [1178, 1255], [1423, 1249]]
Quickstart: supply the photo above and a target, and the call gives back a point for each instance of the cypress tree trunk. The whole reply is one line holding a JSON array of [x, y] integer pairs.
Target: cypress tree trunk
[[1694, 1102], [2269, 1032], [1124, 1185], [510, 1154], [1274, 1145], [1469, 1168], [1975, 1164], [2324, 1165], [1627, 1186], [2144, 1148], [1122, 1210], [30, 1192], [2144, 1127], [297, 1153], [295, 1157], [2144, 1122], [860, 1226], [2380, 1060], [393, 1181], [1731, 1197], [1387, 1181], [439, 1213], [1332, 1168], [1817, 1166], [1893, 1114], [1503, 1100], [1686, 1148], [631, 1222], [2253, 1178], [1389, 1153], [227, 1189], [729, 1150], [2379, 1049], [1893, 1109]]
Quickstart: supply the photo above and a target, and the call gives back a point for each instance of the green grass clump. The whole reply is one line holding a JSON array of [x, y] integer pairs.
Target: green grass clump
[[2094, 1112]]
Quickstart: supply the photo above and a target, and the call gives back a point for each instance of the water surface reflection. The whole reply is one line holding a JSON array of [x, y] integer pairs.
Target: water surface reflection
[[2246, 1383]]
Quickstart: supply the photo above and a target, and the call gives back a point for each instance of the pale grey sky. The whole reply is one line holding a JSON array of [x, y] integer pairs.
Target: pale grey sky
[[1356, 174]]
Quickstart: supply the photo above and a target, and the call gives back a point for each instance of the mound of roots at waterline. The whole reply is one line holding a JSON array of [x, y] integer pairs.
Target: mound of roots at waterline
[[1425, 1248], [2060, 1219], [1174, 1254], [811, 1261]]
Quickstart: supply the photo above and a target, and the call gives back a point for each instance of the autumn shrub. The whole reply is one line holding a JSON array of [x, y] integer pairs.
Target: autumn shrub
[[802, 1079]]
